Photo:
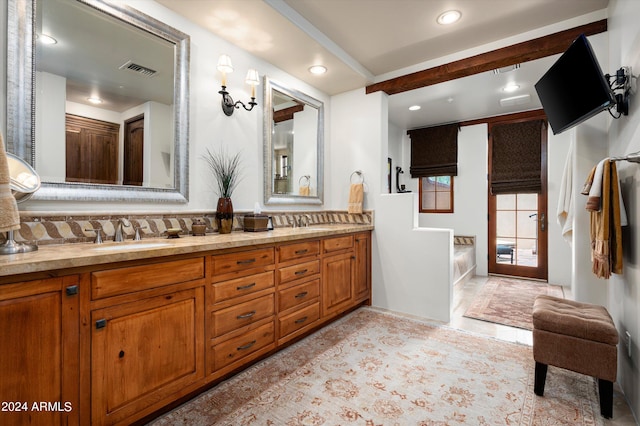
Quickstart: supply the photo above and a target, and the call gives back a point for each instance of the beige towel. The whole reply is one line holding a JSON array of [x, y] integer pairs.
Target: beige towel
[[305, 191], [606, 228], [9, 215], [356, 197]]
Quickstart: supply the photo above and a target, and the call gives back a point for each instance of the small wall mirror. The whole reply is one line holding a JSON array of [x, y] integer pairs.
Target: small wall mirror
[[293, 144], [106, 118]]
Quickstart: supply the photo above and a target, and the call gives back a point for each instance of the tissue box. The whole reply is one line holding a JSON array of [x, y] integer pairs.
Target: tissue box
[[256, 222]]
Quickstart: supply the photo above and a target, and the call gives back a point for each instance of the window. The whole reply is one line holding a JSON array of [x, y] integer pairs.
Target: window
[[436, 194]]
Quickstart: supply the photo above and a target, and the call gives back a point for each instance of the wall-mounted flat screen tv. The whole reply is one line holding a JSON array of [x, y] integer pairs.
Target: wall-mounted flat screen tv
[[574, 88]]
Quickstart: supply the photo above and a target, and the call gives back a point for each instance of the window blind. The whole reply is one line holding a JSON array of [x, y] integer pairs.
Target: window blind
[[516, 157], [434, 151]]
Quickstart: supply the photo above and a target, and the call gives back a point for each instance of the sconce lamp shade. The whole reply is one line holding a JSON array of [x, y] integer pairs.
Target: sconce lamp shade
[[224, 64], [253, 78]]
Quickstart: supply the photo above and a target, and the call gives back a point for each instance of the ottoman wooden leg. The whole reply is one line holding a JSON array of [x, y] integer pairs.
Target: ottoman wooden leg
[[605, 389], [540, 378]]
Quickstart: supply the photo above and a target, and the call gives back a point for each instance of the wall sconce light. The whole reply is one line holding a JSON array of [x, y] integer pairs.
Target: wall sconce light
[[253, 79]]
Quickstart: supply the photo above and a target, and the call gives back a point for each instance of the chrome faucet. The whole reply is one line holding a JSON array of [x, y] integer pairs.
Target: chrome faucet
[[98, 232], [120, 236], [138, 236]]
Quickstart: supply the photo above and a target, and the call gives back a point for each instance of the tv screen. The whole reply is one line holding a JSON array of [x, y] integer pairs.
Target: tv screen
[[574, 88]]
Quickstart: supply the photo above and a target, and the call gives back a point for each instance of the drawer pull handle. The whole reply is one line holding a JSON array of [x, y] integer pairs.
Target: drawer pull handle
[[246, 262], [247, 315], [247, 346], [71, 290], [301, 251], [301, 320], [304, 271], [244, 287], [301, 295]]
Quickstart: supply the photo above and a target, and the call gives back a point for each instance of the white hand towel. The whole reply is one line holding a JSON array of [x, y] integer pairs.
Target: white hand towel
[[9, 215], [565, 199]]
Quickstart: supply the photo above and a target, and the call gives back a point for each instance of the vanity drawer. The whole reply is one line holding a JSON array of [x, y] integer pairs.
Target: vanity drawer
[[239, 347], [298, 319], [301, 270], [242, 261], [240, 286], [298, 295], [242, 314], [298, 250], [135, 278], [338, 243]]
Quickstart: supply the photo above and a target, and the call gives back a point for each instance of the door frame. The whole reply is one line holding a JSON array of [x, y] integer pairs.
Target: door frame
[[540, 272]]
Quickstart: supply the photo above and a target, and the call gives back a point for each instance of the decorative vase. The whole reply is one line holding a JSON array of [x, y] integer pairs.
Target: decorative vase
[[224, 215]]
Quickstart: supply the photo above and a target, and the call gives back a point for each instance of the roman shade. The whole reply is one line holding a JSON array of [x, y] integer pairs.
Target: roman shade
[[434, 151], [516, 157]]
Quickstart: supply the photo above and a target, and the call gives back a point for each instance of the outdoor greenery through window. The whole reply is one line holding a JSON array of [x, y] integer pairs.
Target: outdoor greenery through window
[[436, 194]]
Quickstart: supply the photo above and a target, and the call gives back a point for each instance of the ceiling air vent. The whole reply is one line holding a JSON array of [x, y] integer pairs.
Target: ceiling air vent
[[142, 70]]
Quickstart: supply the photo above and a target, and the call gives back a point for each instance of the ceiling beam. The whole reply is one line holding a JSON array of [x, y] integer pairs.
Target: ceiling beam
[[515, 54]]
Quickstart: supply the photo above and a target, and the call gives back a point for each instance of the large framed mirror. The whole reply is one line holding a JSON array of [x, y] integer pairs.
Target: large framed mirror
[[102, 111], [293, 146]]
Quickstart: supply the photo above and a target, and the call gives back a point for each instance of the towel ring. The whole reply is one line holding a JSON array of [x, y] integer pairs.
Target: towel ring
[[359, 173], [307, 177]]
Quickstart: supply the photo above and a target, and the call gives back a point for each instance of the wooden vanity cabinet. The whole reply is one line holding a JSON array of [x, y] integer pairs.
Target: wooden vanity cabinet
[[39, 334], [338, 275], [362, 274], [147, 343], [298, 288], [346, 273], [241, 309], [118, 342]]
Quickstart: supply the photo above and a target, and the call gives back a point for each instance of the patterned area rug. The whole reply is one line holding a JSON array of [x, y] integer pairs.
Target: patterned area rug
[[376, 368], [509, 301]]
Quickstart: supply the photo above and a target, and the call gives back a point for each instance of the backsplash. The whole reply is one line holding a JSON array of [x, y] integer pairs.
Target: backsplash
[[58, 228]]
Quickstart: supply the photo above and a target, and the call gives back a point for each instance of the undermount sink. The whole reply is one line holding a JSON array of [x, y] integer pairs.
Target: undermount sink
[[130, 246]]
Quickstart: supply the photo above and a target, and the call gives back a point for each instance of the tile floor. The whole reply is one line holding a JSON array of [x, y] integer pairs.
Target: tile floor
[[463, 295]]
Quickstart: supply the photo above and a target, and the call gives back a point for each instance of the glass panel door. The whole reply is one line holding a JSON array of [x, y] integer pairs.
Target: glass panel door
[[517, 232]]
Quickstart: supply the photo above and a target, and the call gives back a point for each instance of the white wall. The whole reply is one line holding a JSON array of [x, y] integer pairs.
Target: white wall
[[412, 267], [470, 194], [624, 138], [559, 249], [395, 150]]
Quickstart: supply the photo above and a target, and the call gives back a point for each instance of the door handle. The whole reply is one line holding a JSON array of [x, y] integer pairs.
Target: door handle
[[543, 223]]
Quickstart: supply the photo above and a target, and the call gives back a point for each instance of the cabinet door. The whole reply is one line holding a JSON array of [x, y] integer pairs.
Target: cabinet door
[[145, 351], [39, 337], [362, 281], [337, 283]]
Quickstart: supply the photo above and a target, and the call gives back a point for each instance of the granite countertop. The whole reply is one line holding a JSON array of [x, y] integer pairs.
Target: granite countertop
[[54, 257]]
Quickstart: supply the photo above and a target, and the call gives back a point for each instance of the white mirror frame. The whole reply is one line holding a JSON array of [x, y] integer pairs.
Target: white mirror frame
[[269, 196], [21, 105]]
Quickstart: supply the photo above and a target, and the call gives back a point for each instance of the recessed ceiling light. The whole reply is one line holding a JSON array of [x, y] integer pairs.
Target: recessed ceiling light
[[94, 100], [510, 87], [47, 39], [449, 17], [317, 69], [414, 108]]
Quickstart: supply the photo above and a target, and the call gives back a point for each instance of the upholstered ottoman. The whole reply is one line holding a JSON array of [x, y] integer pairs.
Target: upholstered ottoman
[[575, 336]]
